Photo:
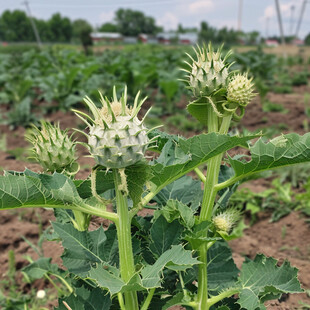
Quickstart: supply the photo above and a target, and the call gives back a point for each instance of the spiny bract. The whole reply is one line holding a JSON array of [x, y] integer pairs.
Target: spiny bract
[[208, 73], [227, 220], [117, 138], [52, 148], [240, 90]]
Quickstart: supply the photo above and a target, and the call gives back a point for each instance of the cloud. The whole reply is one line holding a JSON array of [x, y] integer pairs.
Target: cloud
[[169, 21], [200, 5], [106, 17], [285, 8], [269, 12]]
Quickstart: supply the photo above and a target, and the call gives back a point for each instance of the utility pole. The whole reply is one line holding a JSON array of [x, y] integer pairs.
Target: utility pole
[[240, 15], [292, 19], [34, 28], [280, 22], [303, 8], [267, 27]]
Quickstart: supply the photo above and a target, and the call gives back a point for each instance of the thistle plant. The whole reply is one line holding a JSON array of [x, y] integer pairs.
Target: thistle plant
[[179, 255]]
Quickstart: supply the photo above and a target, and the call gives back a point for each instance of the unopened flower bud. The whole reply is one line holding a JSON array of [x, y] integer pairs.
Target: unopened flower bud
[[52, 148], [227, 220], [117, 138], [240, 90], [208, 73]]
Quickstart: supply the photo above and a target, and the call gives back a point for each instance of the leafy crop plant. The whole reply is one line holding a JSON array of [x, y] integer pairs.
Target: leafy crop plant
[[179, 255]]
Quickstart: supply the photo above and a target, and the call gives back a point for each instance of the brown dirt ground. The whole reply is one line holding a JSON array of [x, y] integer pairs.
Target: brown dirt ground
[[262, 237]]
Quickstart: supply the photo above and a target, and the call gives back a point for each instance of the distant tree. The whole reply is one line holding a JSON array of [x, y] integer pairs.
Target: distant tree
[[223, 35], [182, 29], [307, 39], [43, 29], [132, 23], [61, 29], [108, 27], [207, 33], [253, 37], [15, 26], [81, 31]]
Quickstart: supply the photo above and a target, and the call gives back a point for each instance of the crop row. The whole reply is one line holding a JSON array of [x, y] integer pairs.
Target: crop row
[[34, 83]]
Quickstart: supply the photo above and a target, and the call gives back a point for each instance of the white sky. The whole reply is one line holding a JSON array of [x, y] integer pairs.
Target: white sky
[[169, 13]]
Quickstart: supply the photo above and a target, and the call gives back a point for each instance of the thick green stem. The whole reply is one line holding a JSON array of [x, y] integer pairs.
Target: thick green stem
[[148, 299], [208, 200], [123, 225], [202, 303]]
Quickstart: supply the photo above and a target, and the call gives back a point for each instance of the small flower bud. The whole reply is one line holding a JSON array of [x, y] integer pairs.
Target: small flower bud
[[227, 220], [41, 294], [52, 148], [240, 90]]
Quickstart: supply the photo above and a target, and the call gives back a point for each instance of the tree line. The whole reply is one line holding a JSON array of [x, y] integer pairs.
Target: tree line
[[15, 26]]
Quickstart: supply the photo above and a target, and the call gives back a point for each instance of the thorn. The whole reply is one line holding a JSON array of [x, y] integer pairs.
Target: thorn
[[84, 120], [136, 111], [145, 115], [107, 102], [153, 129], [84, 144], [81, 132], [92, 106], [114, 94], [124, 101]]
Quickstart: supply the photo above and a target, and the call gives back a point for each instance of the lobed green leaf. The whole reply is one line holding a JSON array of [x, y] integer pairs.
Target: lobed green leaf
[[179, 158], [262, 279], [282, 151]]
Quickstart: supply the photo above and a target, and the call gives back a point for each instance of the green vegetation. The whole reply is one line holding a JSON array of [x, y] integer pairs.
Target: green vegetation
[[152, 262]]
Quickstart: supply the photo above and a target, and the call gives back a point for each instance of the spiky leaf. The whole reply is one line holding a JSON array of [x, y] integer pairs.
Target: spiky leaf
[[187, 154], [262, 279], [281, 151]]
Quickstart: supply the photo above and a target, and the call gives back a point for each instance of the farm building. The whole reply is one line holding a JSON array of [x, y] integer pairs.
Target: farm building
[[106, 37], [188, 38]]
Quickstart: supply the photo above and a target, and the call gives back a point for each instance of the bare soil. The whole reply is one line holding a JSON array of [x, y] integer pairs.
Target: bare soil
[[288, 238]]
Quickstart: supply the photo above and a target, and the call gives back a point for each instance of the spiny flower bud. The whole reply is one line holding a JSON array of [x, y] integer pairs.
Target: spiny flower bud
[[52, 148], [227, 220], [117, 138], [240, 90], [208, 73]]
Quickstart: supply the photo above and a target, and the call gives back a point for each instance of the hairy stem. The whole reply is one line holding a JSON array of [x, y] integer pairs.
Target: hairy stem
[[213, 300], [208, 200], [202, 303], [123, 225], [93, 177]]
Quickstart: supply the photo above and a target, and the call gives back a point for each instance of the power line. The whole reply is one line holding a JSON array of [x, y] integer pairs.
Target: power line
[[303, 8], [34, 28], [90, 5], [240, 14], [280, 22]]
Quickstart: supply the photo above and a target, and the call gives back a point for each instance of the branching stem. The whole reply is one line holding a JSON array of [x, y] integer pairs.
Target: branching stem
[[123, 225], [148, 299]]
